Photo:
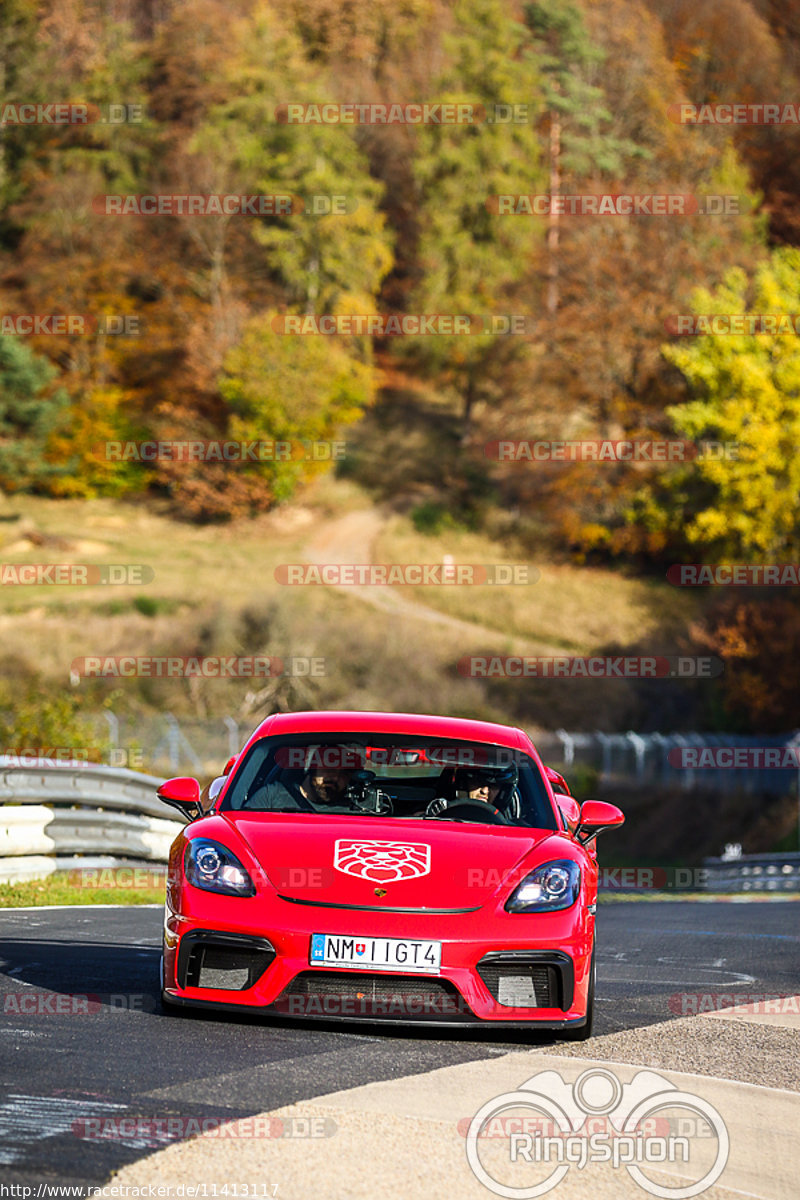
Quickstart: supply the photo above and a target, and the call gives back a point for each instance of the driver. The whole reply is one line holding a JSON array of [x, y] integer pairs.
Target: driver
[[477, 785], [325, 786], [493, 786]]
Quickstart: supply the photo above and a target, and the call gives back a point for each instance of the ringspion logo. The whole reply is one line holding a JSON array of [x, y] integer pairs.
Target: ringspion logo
[[550, 1126]]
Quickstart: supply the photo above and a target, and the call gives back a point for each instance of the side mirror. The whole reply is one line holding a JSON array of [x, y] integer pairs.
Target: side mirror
[[596, 816], [182, 793]]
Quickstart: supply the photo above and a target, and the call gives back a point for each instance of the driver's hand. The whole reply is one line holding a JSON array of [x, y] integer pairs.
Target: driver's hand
[[436, 807]]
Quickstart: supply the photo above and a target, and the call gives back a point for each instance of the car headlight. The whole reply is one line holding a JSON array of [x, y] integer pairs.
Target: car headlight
[[548, 888], [214, 869]]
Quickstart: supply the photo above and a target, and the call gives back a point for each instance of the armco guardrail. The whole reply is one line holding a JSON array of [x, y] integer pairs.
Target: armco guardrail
[[92, 784], [51, 811], [753, 873]]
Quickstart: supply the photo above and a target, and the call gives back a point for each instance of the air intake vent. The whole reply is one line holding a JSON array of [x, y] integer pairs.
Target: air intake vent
[[391, 997], [228, 961], [519, 979]]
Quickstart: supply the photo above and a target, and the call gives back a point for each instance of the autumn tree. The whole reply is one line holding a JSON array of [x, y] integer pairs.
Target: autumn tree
[[29, 410], [577, 112], [746, 394], [292, 389], [597, 364], [470, 257]]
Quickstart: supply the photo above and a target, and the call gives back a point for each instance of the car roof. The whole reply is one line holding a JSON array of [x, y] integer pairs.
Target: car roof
[[404, 724]]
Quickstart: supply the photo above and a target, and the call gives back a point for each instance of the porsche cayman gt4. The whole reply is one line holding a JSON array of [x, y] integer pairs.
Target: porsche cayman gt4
[[385, 867]]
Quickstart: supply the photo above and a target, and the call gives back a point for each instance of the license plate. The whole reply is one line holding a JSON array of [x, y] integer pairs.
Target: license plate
[[375, 954]]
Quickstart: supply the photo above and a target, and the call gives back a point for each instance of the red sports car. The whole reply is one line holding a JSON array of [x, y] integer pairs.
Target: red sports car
[[385, 866]]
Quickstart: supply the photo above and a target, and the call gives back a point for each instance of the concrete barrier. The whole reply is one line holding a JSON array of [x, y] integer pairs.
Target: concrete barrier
[[50, 811]]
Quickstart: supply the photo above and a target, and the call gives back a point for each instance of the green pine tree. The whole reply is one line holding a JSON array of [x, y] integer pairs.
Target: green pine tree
[[29, 410]]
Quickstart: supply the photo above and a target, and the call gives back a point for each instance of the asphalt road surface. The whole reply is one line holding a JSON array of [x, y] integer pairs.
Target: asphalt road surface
[[65, 1062]]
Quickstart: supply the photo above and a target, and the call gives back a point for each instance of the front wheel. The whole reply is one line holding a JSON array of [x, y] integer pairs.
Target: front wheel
[[581, 1033]]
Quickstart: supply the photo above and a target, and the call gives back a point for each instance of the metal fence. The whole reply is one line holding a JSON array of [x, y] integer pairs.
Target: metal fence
[[50, 813], [650, 758], [774, 873], [169, 746]]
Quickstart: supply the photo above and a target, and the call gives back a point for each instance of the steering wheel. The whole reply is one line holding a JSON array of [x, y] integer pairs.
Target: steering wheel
[[481, 810]]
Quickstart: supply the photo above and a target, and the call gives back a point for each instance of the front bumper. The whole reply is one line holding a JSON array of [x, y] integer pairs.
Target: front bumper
[[496, 968]]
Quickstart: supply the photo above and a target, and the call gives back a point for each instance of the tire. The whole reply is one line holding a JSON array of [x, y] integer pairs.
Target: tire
[[582, 1033]]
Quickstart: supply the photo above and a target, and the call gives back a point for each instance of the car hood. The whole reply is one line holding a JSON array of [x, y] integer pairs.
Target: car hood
[[388, 864]]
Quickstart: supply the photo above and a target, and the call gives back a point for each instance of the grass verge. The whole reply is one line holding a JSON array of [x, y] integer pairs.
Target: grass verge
[[63, 888]]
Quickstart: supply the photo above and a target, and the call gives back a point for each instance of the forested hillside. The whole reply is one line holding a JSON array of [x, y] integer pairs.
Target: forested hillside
[[183, 313]]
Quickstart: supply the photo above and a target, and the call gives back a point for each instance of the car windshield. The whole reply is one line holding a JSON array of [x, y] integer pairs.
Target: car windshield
[[374, 775]]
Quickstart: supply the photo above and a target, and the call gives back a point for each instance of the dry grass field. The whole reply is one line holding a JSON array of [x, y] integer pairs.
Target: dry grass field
[[213, 591]]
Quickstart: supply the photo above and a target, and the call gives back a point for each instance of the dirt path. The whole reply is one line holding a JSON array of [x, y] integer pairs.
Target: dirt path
[[351, 539]]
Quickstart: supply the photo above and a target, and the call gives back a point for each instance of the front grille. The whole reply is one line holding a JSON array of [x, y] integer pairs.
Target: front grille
[[359, 994], [218, 960], [522, 979]]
